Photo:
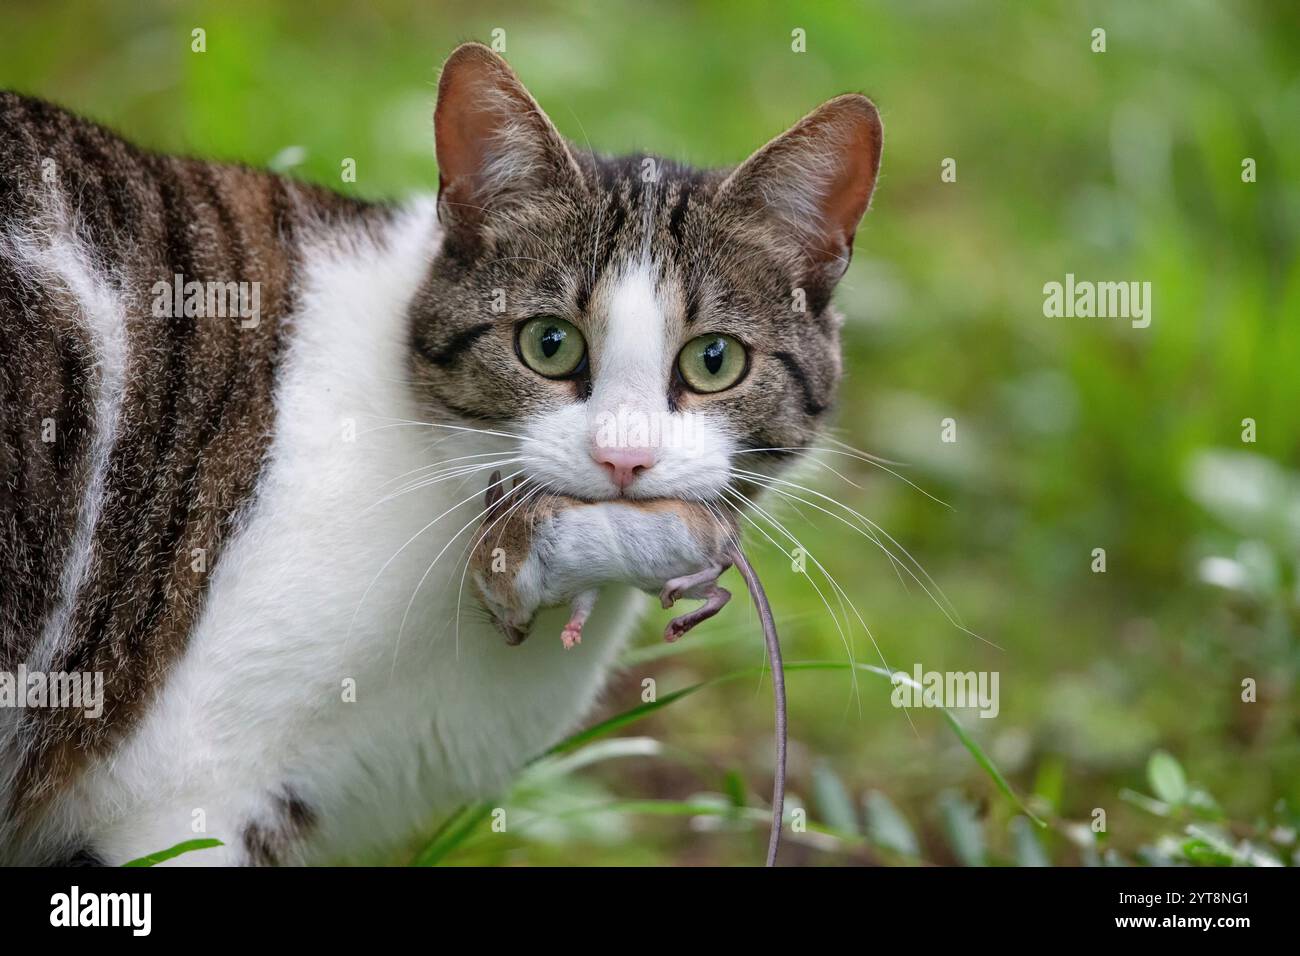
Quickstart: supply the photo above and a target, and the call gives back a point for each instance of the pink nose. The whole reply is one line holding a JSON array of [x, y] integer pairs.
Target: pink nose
[[624, 464]]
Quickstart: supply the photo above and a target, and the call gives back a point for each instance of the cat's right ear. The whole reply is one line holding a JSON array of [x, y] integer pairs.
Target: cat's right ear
[[814, 181], [493, 141]]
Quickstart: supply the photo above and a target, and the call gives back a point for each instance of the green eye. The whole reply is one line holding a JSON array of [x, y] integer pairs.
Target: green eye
[[551, 347], [712, 363]]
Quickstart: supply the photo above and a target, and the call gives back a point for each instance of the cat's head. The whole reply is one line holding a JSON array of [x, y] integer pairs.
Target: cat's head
[[637, 322]]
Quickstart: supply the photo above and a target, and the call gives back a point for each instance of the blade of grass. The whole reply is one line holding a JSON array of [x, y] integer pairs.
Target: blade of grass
[[454, 831], [722, 808], [187, 847], [461, 824], [990, 768], [641, 711]]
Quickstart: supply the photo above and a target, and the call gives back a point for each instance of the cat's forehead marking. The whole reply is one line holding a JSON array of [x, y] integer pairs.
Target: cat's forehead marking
[[633, 347]]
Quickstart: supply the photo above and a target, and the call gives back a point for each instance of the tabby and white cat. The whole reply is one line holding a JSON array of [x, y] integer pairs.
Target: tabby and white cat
[[254, 525]]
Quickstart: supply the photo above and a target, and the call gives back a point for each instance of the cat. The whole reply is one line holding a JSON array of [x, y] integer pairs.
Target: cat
[[248, 513]]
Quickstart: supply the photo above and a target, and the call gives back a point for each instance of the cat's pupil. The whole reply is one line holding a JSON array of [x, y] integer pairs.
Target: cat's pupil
[[551, 341], [713, 355]]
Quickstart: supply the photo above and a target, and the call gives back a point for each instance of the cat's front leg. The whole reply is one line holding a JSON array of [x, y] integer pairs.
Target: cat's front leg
[[262, 826]]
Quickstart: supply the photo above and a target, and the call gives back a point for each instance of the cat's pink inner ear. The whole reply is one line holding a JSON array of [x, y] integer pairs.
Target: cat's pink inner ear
[[492, 139], [817, 178], [855, 138]]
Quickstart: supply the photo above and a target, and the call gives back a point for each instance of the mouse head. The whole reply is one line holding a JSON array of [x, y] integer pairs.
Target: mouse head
[[500, 550]]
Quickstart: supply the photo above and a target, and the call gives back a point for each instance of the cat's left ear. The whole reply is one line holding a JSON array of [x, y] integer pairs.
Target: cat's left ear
[[494, 143], [814, 181]]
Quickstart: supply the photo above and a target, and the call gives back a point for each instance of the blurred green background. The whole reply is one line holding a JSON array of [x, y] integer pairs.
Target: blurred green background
[[1120, 691]]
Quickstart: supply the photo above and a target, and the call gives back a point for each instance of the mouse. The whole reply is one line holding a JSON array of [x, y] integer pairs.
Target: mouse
[[545, 550]]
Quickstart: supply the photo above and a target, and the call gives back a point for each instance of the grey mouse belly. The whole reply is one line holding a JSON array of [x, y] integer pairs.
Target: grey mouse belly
[[637, 546]]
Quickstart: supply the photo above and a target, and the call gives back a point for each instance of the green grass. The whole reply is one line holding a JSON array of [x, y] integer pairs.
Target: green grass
[[162, 856], [1073, 434], [465, 823]]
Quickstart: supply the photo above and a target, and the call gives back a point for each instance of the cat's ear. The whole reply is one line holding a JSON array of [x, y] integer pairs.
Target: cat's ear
[[814, 181], [494, 143]]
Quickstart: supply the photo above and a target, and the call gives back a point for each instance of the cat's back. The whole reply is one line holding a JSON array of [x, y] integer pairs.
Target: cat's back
[[146, 302], [136, 206], [112, 395]]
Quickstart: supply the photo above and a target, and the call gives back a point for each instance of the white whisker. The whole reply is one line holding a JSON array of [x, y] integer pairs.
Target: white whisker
[[895, 564], [848, 647], [379, 574], [835, 585], [424, 577], [463, 471], [398, 422], [949, 611], [468, 553], [860, 456], [438, 464]]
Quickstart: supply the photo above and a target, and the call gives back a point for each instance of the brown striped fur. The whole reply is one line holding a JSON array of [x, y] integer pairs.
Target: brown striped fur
[[196, 416]]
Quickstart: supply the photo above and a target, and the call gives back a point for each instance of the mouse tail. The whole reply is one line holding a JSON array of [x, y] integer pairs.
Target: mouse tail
[[778, 691]]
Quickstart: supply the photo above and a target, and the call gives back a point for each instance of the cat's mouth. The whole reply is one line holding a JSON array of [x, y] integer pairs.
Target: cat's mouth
[[621, 494], [688, 481], [634, 495]]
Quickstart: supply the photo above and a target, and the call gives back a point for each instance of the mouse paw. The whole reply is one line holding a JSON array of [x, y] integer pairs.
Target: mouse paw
[[714, 601], [676, 628], [571, 636], [699, 584]]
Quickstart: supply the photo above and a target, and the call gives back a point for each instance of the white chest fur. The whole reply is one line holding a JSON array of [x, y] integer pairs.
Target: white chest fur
[[295, 677]]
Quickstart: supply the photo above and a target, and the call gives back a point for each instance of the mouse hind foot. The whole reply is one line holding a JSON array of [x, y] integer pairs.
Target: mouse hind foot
[[700, 584], [715, 599]]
